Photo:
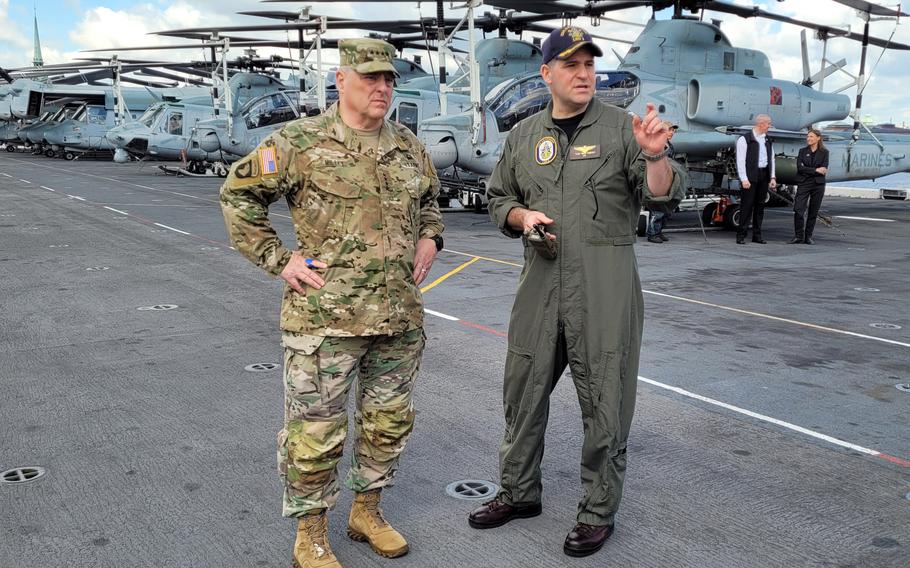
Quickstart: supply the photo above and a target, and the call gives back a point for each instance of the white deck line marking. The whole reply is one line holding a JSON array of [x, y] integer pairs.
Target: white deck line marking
[[441, 315], [76, 197], [784, 320], [47, 188], [727, 308], [865, 219], [24, 181], [763, 418], [116, 210], [5, 174], [171, 229]]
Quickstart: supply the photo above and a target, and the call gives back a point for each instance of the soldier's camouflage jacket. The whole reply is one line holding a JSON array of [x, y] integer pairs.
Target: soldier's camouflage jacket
[[361, 215]]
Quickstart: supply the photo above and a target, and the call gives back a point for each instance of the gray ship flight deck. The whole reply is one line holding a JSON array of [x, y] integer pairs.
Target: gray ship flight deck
[[770, 428]]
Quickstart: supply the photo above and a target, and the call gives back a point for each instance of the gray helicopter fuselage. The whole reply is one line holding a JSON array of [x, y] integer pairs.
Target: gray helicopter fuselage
[[687, 68], [263, 115], [168, 130], [85, 131]]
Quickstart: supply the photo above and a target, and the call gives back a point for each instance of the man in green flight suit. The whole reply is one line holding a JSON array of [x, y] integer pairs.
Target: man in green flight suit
[[576, 175], [362, 194]]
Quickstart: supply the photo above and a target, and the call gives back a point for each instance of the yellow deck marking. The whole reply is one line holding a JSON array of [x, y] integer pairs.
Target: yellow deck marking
[[507, 263], [448, 274]]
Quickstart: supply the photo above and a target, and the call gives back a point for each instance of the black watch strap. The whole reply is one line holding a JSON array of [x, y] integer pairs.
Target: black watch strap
[[439, 242]]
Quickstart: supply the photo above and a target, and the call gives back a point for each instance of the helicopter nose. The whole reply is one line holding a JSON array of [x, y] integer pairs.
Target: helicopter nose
[[208, 140], [120, 136], [441, 147], [54, 136]]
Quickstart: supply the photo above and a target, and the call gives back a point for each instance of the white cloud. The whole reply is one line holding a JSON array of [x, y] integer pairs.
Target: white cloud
[[13, 42]]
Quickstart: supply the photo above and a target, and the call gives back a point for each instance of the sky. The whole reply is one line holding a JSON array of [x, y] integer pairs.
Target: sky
[[67, 27]]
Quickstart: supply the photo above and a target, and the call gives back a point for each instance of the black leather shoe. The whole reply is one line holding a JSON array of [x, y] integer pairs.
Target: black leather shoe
[[809, 241], [740, 240], [760, 241], [655, 239], [584, 540], [663, 237], [794, 241], [495, 513]]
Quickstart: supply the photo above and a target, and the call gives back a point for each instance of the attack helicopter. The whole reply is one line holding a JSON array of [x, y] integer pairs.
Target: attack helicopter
[[415, 99], [702, 83], [165, 131]]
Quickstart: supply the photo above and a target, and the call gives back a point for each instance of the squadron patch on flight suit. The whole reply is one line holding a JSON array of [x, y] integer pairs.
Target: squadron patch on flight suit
[[584, 152], [545, 151], [268, 161]]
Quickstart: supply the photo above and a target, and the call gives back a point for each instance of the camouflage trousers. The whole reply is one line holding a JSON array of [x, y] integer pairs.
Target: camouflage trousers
[[318, 373]]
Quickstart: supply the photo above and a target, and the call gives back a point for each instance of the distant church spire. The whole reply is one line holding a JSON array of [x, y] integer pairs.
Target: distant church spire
[[37, 60]]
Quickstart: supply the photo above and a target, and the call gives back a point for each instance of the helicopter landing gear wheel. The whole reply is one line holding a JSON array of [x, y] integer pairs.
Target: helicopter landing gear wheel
[[220, 169], [10, 148], [707, 214], [732, 217], [69, 156], [50, 153]]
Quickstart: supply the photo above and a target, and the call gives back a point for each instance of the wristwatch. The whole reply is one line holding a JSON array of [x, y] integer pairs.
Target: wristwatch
[[439, 242], [655, 157]]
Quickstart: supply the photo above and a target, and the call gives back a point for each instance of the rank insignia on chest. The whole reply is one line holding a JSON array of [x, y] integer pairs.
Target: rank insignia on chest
[[545, 152], [268, 161], [584, 152]]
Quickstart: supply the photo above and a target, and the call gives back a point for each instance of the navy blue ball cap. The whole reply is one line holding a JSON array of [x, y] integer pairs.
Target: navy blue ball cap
[[565, 41]]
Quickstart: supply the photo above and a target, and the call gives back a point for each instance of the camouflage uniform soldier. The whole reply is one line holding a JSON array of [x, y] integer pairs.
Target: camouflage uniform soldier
[[362, 194]]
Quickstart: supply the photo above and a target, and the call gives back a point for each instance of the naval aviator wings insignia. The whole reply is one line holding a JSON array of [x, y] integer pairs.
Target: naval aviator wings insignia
[[584, 152]]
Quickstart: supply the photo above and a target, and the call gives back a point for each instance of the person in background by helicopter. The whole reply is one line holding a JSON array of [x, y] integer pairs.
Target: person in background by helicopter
[[755, 168], [811, 169], [658, 218]]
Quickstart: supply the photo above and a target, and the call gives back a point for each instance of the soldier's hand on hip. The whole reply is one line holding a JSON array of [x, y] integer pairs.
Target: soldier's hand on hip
[[651, 133], [298, 273], [423, 259]]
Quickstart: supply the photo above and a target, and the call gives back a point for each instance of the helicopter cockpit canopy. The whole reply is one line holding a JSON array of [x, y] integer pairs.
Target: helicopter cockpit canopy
[[618, 88], [512, 101], [273, 108], [91, 114], [151, 114]]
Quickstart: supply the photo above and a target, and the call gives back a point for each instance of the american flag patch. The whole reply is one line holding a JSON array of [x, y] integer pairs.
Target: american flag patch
[[268, 162]]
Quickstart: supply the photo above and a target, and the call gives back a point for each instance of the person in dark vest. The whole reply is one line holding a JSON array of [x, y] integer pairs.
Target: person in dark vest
[[811, 169], [755, 168]]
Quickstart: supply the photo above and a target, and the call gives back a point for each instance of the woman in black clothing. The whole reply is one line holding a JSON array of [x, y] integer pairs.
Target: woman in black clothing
[[811, 168]]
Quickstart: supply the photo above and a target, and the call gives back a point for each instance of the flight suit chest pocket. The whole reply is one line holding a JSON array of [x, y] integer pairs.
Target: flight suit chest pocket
[[605, 205], [532, 193], [328, 202]]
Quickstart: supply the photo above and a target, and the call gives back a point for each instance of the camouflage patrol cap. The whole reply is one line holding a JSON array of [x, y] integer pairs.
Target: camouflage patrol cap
[[367, 55]]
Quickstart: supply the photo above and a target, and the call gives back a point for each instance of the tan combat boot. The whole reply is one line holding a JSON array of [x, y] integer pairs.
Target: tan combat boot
[[366, 524], [312, 550]]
